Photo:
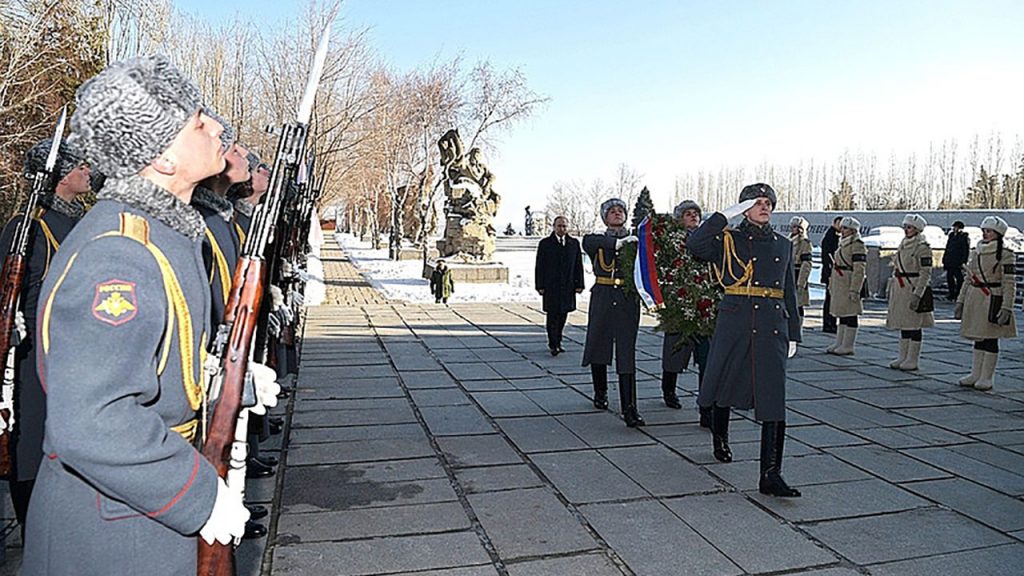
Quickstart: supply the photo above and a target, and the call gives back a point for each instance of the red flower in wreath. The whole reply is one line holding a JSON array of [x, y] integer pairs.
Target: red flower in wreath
[[681, 292]]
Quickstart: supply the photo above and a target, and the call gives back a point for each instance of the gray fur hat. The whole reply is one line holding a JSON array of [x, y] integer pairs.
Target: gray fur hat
[[229, 136], [685, 205], [129, 113], [609, 204], [68, 158], [759, 190], [253, 160], [851, 222]]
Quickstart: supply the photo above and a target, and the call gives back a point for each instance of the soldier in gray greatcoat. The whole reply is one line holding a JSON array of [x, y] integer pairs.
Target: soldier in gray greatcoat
[[675, 356], [123, 319], [57, 214], [758, 326], [614, 316]]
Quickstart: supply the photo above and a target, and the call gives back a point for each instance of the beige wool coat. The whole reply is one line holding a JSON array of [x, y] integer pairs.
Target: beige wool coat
[[998, 277], [802, 268], [848, 271], [912, 270]]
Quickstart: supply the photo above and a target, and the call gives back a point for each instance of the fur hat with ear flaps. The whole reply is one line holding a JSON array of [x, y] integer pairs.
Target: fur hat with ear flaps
[[129, 113], [68, 158], [609, 204], [996, 224], [915, 220], [684, 206], [759, 190]]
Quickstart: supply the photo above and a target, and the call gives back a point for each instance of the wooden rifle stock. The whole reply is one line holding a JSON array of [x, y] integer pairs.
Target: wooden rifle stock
[[240, 314], [13, 275]]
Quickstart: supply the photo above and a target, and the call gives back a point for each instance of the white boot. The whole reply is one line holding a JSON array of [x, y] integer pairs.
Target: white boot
[[988, 371], [969, 380], [849, 339], [840, 330], [913, 354], [904, 344]]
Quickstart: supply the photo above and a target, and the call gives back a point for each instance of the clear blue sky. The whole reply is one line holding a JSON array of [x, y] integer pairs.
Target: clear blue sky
[[670, 86]]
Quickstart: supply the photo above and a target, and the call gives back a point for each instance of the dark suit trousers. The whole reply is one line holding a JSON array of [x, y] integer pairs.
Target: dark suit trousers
[[555, 325], [828, 321], [954, 281]]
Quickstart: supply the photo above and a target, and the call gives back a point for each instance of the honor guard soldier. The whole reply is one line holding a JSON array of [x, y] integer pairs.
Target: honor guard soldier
[[758, 325], [985, 305], [675, 356], [57, 214], [124, 321], [846, 286], [910, 298], [614, 316], [801, 262]]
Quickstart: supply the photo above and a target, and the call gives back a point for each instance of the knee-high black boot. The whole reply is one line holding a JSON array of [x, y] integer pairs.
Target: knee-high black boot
[[599, 374], [627, 397], [705, 416], [720, 433], [773, 436], [668, 389]]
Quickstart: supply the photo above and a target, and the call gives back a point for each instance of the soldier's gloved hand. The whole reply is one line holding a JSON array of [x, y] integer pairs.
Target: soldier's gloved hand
[[286, 269], [626, 240], [915, 300], [854, 296], [737, 209], [958, 311], [264, 379], [1003, 317], [227, 520], [792, 349], [19, 333]]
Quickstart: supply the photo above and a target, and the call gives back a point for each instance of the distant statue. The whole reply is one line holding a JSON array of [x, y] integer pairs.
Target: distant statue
[[509, 230], [471, 202], [528, 227]]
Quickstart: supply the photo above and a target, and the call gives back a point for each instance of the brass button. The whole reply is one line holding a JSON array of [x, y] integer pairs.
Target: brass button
[[777, 306], [756, 283], [776, 282], [754, 259], [750, 237]]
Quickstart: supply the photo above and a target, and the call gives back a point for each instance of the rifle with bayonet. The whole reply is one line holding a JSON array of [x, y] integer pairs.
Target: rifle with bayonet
[[224, 445], [10, 298]]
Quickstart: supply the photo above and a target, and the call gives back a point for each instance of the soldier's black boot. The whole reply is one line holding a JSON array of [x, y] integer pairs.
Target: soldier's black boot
[[720, 433], [773, 436], [705, 416], [668, 390], [627, 397], [599, 374]]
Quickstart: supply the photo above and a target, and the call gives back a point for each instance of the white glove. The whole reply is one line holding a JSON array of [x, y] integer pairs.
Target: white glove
[[286, 269], [227, 520], [792, 350], [626, 240], [276, 297], [737, 209], [20, 329], [264, 379]]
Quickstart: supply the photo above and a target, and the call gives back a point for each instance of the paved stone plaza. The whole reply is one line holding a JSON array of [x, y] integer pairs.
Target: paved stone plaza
[[433, 440]]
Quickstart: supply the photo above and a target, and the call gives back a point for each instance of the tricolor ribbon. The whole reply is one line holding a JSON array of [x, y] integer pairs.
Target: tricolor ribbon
[[645, 273]]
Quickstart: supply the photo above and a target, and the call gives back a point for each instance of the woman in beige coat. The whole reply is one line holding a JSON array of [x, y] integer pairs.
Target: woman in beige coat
[[845, 286], [912, 271], [990, 274], [801, 262]]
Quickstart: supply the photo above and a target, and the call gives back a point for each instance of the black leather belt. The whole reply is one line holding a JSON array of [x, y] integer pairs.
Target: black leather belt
[[907, 274]]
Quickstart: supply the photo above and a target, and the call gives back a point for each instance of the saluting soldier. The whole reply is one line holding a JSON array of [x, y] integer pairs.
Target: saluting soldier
[[912, 271], [57, 214], [758, 324], [802, 252], [124, 319], [614, 316], [675, 357], [846, 286], [985, 304]]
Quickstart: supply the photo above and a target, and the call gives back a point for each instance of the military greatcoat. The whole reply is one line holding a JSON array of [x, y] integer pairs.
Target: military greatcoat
[[221, 249], [121, 490], [49, 228], [747, 362], [912, 270], [988, 276], [847, 281], [614, 316]]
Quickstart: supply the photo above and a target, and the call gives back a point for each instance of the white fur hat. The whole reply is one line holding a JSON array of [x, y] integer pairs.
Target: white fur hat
[[850, 222], [994, 223], [798, 221], [915, 220]]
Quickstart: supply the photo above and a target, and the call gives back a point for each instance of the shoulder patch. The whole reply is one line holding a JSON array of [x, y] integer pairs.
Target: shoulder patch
[[860, 257], [1008, 269], [926, 261], [115, 302]]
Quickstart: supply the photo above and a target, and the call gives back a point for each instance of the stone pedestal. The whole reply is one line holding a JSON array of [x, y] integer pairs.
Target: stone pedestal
[[470, 237], [417, 254], [472, 273]]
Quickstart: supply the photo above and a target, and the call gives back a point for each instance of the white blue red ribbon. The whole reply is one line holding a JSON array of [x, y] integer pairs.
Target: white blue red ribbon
[[645, 273]]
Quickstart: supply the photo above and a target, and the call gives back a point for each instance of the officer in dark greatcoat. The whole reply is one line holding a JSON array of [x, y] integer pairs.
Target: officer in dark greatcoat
[[123, 321], [57, 214], [758, 326], [559, 278], [614, 316]]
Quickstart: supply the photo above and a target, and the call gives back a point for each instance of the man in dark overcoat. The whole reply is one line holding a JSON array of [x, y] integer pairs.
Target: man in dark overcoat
[[954, 258], [614, 315], [559, 278], [758, 326], [829, 245]]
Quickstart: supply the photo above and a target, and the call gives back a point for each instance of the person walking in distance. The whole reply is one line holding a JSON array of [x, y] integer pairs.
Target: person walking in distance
[[846, 286], [958, 248], [985, 305], [441, 283], [559, 278]]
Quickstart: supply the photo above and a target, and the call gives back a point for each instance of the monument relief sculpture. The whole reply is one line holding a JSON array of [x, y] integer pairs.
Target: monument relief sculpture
[[470, 202]]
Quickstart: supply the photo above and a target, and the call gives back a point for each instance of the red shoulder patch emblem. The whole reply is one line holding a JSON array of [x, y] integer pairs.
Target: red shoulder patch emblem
[[115, 302]]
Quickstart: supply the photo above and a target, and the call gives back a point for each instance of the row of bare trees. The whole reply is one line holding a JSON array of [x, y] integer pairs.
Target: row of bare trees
[[579, 200]]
